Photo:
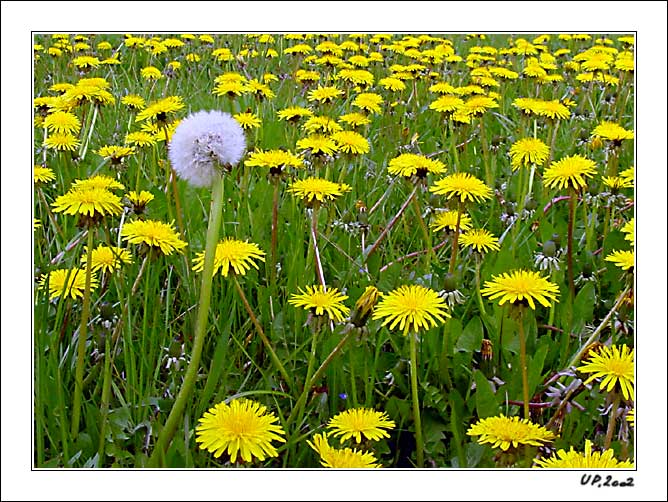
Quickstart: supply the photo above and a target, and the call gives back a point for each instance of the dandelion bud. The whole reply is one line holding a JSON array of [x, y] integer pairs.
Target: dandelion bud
[[549, 249], [450, 282], [364, 306], [556, 238], [531, 204], [203, 144]]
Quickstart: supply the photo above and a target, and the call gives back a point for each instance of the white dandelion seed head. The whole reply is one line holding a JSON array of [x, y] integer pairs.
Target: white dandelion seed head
[[203, 143]]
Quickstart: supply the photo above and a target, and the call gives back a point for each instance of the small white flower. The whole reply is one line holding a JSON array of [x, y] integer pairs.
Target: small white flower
[[203, 143]]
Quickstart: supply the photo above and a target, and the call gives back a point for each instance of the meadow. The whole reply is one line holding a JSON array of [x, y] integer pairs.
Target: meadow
[[421, 250]]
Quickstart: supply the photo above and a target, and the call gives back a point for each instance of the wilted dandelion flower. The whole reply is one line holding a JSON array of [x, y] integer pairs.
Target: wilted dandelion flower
[[448, 220], [351, 142], [154, 234], [615, 366], [463, 186], [107, 258], [238, 255], [360, 422], [203, 144], [479, 239], [504, 432], [411, 307], [242, 428], [43, 174], [527, 151], [364, 306], [588, 460], [345, 458], [569, 172], [62, 122], [318, 189], [68, 282], [521, 287], [322, 302], [62, 141]]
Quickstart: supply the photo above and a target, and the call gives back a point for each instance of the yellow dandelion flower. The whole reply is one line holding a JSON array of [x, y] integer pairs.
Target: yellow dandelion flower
[[294, 113], [324, 94], [248, 120], [623, 259], [569, 172], [345, 458], [242, 428], [92, 202], [155, 234], [43, 174], [611, 131], [360, 422], [275, 160], [139, 200], [368, 102], [62, 141], [521, 287], [479, 239], [448, 220], [588, 460], [238, 255], [477, 105], [134, 102], [447, 103], [324, 124], [322, 302], [629, 230], [159, 111], [317, 144], [318, 189], [616, 182], [615, 365], [351, 142], [411, 307], [101, 181], [462, 185], [67, 282], [62, 122], [504, 432], [151, 73], [354, 119], [106, 258], [140, 139], [115, 153], [527, 151], [411, 164]]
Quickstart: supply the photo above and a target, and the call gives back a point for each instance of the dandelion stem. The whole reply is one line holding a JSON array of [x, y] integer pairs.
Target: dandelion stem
[[523, 363], [274, 231], [611, 420], [485, 153], [49, 213], [425, 231], [455, 242], [419, 445], [571, 218], [478, 262], [389, 226], [314, 238], [83, 331], [261, 333], [84, 146], [167, 433]]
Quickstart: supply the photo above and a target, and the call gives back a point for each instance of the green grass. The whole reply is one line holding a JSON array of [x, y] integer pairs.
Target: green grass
[[119, 424]]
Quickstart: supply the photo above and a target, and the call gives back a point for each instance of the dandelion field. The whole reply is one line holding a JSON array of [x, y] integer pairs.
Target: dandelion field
[[424, 250]]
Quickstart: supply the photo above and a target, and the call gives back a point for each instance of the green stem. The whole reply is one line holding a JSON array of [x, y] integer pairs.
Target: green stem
[[455, 242], [83, 331], [419, 445], [167, 433], [523, 364], [274, 231], [425, 232], [260, 332], [485, 153], [571, 219], [106, 390], [316, 376], [84, 147], [389, 226], [483, 311], [314, 238]]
